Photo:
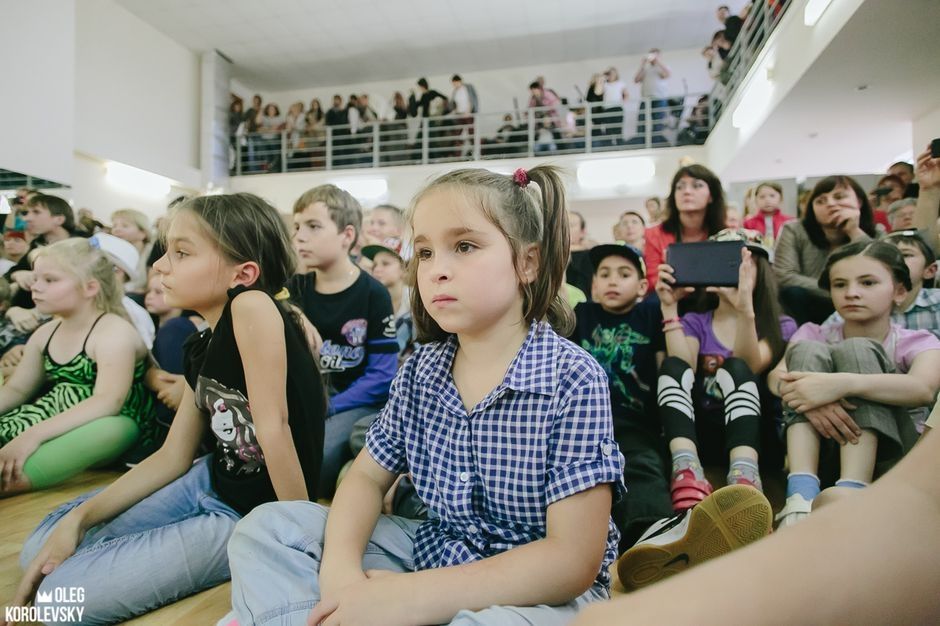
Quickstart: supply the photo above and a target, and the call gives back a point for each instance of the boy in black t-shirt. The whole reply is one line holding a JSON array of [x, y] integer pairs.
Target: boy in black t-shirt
[[625, 336], [352, 312]]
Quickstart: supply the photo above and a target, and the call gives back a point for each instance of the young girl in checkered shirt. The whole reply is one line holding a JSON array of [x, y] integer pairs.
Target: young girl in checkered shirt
[[504, 426]]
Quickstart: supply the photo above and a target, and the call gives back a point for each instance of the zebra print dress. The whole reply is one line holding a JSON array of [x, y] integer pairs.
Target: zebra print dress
[[67, 384]]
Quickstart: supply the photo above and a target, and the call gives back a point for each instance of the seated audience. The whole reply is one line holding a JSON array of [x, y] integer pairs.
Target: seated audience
[[695, 210], [134, 227], [625, 337], [709, 386], [126, 259], [632, 228], [901, 214], [159, 533], [353, 314], [77, 397], [770, 218], [854, 382], [920, 309], [15, 248], [836, 213]]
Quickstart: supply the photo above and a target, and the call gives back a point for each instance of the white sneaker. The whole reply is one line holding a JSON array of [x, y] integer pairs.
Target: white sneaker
[[794, 511]]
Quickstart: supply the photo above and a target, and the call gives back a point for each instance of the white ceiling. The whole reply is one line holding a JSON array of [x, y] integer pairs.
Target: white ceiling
[[292, 44], [826, 123]]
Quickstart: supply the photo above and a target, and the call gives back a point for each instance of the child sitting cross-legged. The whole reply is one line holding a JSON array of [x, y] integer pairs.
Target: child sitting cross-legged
[[625, 336], [848, 388], [506, 430], [77, 397]]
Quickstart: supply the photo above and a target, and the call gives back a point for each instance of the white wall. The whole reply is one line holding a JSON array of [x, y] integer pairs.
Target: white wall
[[37, 98], [789, 53], [496, 88], [599, 206], [137, 93], [925, 129], [91, 189]]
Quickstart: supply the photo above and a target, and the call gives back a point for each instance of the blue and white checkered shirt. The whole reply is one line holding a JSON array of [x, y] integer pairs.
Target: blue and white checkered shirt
[[488, 477]]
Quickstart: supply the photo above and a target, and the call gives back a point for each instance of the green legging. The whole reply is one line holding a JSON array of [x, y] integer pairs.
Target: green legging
[[97, 443]]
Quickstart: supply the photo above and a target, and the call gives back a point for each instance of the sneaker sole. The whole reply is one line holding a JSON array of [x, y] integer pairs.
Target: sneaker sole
[[729, 518]]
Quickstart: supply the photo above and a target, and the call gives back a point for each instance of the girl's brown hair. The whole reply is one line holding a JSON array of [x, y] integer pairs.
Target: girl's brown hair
[[525, 216]]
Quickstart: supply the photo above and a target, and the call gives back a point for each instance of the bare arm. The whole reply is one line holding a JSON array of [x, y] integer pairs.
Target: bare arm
[[167, 464], [352, 519], [928, 201], [576, 531], [114, 350], [873, 555], [259, 334]]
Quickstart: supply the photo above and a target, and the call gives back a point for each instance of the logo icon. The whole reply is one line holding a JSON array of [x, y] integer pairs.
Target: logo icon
[[682, 558], [43, 597]]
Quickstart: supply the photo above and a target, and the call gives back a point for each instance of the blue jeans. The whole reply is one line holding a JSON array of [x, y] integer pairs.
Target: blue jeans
[[336, 450], [168, 546], [275, 554]]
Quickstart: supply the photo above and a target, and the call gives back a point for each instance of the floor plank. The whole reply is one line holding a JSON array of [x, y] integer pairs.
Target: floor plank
[[21, 514]]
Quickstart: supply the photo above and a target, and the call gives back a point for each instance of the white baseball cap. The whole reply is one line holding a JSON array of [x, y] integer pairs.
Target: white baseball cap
[[123, 253]]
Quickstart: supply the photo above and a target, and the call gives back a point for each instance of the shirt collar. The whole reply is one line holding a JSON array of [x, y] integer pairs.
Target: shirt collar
[[531, 370], [926, 299]]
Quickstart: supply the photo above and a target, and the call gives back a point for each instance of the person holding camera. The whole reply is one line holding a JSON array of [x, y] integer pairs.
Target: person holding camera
[[652, 78], [614, 93], [709, 389]]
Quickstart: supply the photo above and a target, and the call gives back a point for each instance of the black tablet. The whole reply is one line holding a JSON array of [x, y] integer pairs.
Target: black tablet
[[705, 263]]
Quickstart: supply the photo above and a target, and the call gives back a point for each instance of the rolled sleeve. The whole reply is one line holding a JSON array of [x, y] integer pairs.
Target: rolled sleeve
[[584, 453], [385, 439]]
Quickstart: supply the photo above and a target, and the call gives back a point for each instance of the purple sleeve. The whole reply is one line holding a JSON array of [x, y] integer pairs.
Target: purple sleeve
[[911, 343], [694, 325], [787, 327]]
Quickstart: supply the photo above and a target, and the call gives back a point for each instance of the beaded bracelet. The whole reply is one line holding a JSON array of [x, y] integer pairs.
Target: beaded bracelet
[[671, 320]]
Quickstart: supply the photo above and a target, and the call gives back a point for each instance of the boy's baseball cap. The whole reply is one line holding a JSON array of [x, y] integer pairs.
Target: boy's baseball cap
[[601, 252], [391, 246]]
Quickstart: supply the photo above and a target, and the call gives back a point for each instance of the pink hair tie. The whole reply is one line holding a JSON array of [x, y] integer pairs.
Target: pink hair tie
[[521, 177]]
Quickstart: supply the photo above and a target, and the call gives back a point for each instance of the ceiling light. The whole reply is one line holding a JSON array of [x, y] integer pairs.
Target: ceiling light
[[609, 173], [364, 189], [814, 10], [137, 181]]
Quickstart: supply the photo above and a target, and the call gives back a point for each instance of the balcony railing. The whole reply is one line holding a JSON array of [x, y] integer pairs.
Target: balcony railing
[[764, 17], [542, 131], [584, 129]]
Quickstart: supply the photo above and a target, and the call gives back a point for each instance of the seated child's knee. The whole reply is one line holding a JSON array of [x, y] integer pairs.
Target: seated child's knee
[[270, 521], [738, 369], [674, 367]]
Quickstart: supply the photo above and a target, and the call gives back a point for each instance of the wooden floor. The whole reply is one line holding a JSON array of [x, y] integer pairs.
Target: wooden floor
[[21, 514]]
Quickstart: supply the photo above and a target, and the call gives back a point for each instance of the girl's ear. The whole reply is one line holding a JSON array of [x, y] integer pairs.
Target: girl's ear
[[900, 292], [91, 288], [245, 274], [530, 263]]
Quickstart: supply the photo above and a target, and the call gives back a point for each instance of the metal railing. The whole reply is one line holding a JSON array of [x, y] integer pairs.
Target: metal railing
[[582, 129], [542, 131], [763, 18]]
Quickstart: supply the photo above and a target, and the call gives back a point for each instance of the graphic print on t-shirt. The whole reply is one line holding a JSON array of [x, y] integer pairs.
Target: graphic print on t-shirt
[[613, 349], [337, 357], [231, 423]]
